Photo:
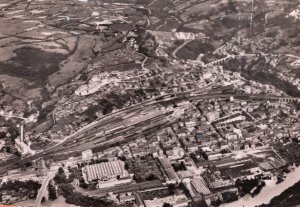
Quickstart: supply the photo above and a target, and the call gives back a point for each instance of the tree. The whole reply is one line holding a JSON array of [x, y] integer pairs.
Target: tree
[[83, 185], [61, 171], [167, 205], [2, 135], [229, 196], [123, 158], [52, 192], [217, 202], [126, 166], [16, 185], [60, 176], [151, 177], [66, 189]]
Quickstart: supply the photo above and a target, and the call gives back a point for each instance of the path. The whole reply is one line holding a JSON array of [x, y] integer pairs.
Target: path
[[179, 47]]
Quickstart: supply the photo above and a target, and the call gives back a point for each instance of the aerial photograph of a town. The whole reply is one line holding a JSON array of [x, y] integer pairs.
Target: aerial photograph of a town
[[149, 103]]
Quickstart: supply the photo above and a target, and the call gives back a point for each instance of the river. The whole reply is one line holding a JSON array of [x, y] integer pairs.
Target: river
[[268, 192]]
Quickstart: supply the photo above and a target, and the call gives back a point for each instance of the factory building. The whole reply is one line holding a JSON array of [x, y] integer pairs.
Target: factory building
[[104, 171]]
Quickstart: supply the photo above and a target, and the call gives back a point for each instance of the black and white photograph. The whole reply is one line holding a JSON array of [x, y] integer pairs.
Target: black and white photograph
[[149, 103]]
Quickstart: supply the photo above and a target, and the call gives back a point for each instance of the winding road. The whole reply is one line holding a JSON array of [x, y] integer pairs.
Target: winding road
[[179, 47]]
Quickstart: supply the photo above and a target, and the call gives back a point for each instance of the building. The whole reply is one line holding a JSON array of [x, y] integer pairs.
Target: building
[[212, 116], [104, 171], [175, 153], [87, 155], [5, 156], [2, 144], [169, 170], [200, 186], [126, 197], [179, 200], [23, 148]]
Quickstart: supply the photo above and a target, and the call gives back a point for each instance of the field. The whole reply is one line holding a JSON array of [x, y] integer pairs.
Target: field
[[193, 49], [32, 64], [77, 60]]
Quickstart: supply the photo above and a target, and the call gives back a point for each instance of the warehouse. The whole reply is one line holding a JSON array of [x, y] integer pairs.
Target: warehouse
[[104, 171]]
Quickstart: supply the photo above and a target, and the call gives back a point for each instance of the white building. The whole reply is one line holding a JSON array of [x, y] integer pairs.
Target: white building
[[87, 155], [212, 116], [23, 148], [104, 171]]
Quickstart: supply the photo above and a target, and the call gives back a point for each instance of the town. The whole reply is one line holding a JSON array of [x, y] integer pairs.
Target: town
[[211, 150], [149, 103]]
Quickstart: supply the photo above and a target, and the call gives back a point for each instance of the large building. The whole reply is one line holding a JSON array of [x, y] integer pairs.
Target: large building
[[104, 171], [169, 170], [200, 186]]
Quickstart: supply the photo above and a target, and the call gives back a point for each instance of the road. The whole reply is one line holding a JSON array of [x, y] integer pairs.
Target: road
[[179, 47], [143, 64], [162, 25], [126, 188], [43, 189], [293, 56], [151, 3]]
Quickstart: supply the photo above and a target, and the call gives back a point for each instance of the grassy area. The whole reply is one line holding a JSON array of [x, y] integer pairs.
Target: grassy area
[[32, 64], [145, 169], [193, 49], [290, 152], [149, 195], [77, 60]]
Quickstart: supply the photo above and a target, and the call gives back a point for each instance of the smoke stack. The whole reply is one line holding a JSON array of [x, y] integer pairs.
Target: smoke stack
[[22, 133]]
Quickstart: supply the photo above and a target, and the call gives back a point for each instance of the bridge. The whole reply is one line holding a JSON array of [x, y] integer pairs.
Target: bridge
[[276, 98], [245, 96], [221, 61], [289, 100]]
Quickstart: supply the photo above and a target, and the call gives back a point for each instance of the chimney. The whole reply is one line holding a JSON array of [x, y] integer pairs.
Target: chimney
[[22, 133]]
